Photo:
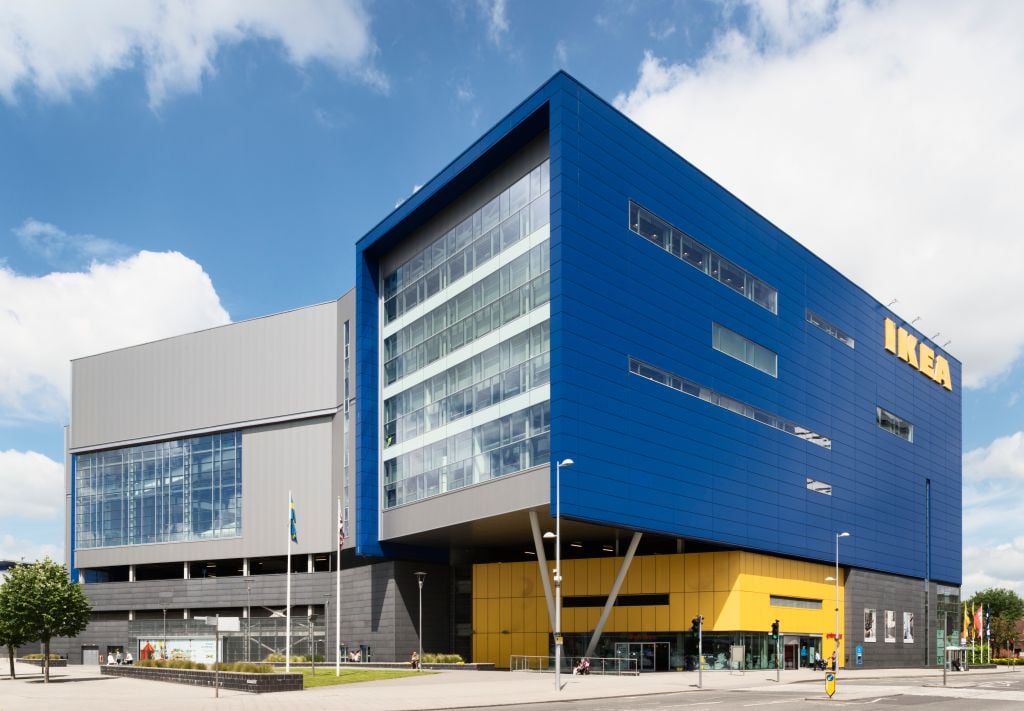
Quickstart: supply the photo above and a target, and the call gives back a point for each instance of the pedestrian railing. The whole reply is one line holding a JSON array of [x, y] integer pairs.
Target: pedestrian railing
[[598, 665]]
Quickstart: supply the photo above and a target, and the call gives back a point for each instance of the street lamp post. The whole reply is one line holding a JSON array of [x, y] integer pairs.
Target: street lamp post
[[419, 579], [164, 651], [248, 618], [844, 534], [558, 569]]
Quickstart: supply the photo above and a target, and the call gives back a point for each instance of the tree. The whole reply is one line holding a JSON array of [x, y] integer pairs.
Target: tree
[[1000, 602], [10, 635], [40, 602], [1003, 630]]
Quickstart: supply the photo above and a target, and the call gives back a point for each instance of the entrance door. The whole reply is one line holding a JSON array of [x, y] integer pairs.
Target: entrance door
[[644, 656], [792, 654], [90, 656]]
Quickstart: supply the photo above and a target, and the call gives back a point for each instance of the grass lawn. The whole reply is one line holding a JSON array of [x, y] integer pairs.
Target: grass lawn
[[324, 676]]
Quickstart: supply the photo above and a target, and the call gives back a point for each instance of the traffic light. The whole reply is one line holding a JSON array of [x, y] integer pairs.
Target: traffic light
[[775, 629], [696, 623]]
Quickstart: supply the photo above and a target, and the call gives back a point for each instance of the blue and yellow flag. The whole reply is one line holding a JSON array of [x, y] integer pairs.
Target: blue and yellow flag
[[291, 509]]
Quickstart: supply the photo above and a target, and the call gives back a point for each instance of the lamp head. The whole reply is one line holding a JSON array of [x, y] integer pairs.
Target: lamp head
[[549, 534], [419, 577], [844, 534], [567, 462], [830, 579]]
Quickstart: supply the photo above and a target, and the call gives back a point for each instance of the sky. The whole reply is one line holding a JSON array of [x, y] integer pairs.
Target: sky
[[168, 165]]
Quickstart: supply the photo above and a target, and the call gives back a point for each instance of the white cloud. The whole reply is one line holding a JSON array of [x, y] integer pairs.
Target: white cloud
[[497, 19], [884, 136], [48, 320], [64, 46], [464, 91], [59, 248], [34, 486], [15, 549], [663, 30], [994, 540], [561, 54]]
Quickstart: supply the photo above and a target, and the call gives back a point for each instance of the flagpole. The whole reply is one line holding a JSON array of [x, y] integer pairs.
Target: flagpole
[[337, 597], [288, 595]]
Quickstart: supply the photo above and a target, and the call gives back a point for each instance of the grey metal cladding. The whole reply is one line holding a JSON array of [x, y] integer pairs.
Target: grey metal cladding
[[279, 366], [517, 492]]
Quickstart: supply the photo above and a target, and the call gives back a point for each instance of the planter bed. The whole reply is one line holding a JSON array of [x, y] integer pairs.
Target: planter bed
[[428, 666], [54, 663], [237, 681]]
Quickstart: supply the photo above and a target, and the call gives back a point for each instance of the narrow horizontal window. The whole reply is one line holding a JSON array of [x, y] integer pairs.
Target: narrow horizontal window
[[894, 424], [801, 602], [829, 328], [620, 601], [688, 387], [819, 487], [743, 349], [685, 248]]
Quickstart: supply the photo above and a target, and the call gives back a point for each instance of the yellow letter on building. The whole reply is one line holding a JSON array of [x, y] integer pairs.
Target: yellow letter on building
[[907, 347], [927, 357], [942, 376], [890, 335]]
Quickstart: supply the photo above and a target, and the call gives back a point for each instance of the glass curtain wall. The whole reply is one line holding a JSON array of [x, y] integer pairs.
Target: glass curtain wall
[[182, 490]]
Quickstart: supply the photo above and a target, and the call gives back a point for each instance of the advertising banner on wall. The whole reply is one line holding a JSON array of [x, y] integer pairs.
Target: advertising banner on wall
[[187, 649], [869, 625], [890, 626]]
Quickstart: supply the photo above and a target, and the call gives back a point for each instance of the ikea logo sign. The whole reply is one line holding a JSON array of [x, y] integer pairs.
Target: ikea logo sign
[[917, 354]]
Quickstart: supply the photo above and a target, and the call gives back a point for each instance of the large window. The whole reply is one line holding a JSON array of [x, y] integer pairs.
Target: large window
[[743, 349], [517, 288], [501, 372], [520, 209], [503, 446], [683, 385], [894, 424], [676, 242], [183, 490]]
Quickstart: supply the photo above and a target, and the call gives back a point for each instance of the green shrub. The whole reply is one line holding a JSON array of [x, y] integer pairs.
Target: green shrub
[[435, 658], [171, 664], [280, 659], [246, 667], [37, 655]]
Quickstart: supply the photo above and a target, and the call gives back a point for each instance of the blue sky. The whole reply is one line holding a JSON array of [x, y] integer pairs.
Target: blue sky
[[166, 166]]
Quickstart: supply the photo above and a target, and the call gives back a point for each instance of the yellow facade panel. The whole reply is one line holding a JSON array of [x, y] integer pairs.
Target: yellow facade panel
[[505, 579], [662, 573], [517, 588], [505, 615], [648, 618], [608, 571], [633, 583], [493, 581], [504, 650], [593, 615], [692, 574], [677, 569], [529, 615], [706, 563], [721, 568], [661, 619], [594, 586], [634, 618], [677, 619], [648, 566], [543, 619], [706, 604], [517, 624]]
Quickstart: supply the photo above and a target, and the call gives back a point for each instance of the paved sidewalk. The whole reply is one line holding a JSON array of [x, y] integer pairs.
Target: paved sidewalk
[[78, 687]]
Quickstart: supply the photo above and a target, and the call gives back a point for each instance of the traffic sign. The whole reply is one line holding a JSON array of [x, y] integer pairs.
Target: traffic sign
[[830, 683]]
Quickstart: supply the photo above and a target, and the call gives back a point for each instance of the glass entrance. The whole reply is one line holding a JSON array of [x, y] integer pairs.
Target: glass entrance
[[648, 656]]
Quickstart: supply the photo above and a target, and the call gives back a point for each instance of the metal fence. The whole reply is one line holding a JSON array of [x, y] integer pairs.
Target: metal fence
[[256, 639], [598, 665]]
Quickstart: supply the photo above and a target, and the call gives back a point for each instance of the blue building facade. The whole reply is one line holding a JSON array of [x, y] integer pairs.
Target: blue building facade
[[654, 457]]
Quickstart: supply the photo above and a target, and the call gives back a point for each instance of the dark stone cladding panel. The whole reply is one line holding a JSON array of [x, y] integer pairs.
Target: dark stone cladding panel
[[379, 606], [236, 681], [866, 589]]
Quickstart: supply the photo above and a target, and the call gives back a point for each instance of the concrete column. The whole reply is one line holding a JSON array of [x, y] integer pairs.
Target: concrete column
[[309, 563], [131, 573], [245, 567], [185, 571]]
